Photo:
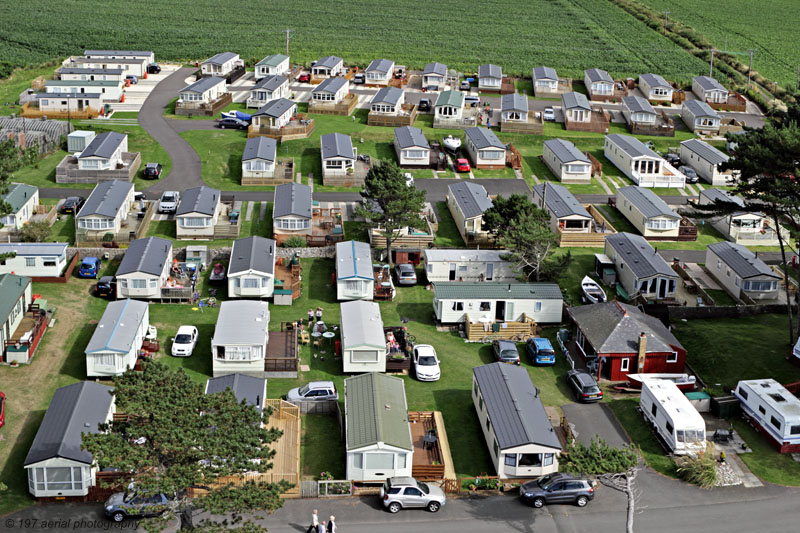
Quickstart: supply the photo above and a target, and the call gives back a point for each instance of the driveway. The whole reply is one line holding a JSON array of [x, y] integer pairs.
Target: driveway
[[590, 419]]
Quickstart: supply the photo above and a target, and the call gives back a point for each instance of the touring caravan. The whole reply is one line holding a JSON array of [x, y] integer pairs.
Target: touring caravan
[[773, 410], [673, 417]]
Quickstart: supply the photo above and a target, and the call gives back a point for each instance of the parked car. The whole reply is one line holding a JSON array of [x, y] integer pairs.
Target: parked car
[[122, 505], [313, 391], [106, 287], [405, 274], [472, 101], [557, 488], [2, 409], [72, 205], [406, 492], [465, 85], [89, 267], [139, 197], [152, 171], [153, 69], [132, 78], [689, 172], [424, 104], [426, 363], [232, 123], [169, 202], [584, 385], [359, 79], [541, 351], [673, 159], [549, 114], [184, 341], [304, 78], [505, 351], [409, 179], [462, 165]]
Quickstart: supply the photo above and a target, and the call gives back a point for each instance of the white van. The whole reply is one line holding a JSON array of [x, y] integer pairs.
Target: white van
[[673, 417], [472, 101]]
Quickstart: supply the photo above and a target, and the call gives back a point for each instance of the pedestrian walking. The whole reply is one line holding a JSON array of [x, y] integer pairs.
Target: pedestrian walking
[[332, 524], [314, 527], [319, 314], [310, 318], [323, 527]]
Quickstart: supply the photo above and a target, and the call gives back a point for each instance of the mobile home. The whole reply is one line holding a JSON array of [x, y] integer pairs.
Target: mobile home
[[115, 343], [673, 417], [773, 410], [363, 341], [443, 265], [454, 301], [354, 277], [569, 164], [240, 338]]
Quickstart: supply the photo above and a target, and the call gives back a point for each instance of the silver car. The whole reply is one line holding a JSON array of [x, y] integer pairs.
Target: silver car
[[314, 391], [405, 274], [406, 492], [169, 202]]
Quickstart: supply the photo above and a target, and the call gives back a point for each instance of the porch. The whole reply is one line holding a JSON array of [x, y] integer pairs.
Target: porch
[[748, 236], [599, 119], [383, 288], [735, 102], [729, 125], [32, 110], [300, 127], [487, 330], [134, 226], [287, 281], [284, 173], [203, 109], [348, 74], [344, 108], [398, 359], [663, 127], [352, 177], [21, 346], [181, 283], [281, 357], [326, 226], [409, 238], [469, 119], [229, 223], [405, 116], [616, 95], [564, 86], [534, 125], [592, 237], [431, 460], [67, 170]]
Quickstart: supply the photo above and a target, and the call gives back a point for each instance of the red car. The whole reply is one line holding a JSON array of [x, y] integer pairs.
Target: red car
[[2, 409], [462, 165], [304, 78]]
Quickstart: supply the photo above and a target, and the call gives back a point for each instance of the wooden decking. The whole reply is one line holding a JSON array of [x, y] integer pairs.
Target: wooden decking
[[484, 332], [344, 108], [435, 461], [281, 353], [287, 277]]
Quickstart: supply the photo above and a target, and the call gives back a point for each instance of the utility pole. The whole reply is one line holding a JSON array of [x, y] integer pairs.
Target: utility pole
[[287, 41], [797, 80], [666, 20], [750, 67], [711, 64]]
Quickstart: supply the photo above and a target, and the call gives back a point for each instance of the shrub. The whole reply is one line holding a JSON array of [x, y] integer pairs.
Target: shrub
[[700, 470], [35, 232], [599, 458], [294, 242]]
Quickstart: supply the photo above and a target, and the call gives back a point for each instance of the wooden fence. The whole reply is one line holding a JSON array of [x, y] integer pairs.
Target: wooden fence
[[64, 277], [29, 111], [319, 408], [593, 239], [344, 108], [485, 332], [203, 109], [298, 130], [394, 121]]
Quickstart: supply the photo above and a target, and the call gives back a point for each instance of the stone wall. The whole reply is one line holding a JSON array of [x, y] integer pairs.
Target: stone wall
[[215, 254]]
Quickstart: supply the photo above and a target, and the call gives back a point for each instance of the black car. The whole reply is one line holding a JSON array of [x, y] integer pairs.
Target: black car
[[152, 171], [673, 159], [557, 488], [424, 104], [584, 385], [232, 123], [72, 205], [153, 69], [690, 173], [106, 287]]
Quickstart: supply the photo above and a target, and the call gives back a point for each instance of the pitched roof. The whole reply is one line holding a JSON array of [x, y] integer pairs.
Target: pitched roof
[[148, 255], [484, 138], [380, 65], [544, 73], [721, 195], [574, 99], [54, 249], [439, 69], [336, 145], [376, 411], [75, 409], [450, 98], [741, 260], [408, 136], [18, 195], [565, 151], [135, 53], [639, 255], [700, 109], [637, 104], [81, 70], [241, 322], [220, 59], [471, 290], [560, 201], [649, 203], [514, 102], [292, 199], [273, 60], [328, 61], [330, 85], [706, 151], [260, 148], [615, 327], [353, 260], [654, 80], [201, 199], [387, 95], [596, 74], [361, 324], [514, 407], [106, 198], [463, 255], [271, 83], [246, 388], [82, 83], [490, 71], [275, 108], [708, 83], [471, 198], [104, 145], [118, 328], [252, 253], [203, 84], [40, 96], [631, 145], [12, 287]]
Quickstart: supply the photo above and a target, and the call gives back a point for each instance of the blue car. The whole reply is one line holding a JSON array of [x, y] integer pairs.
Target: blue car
[[89, 268], [541, 351]]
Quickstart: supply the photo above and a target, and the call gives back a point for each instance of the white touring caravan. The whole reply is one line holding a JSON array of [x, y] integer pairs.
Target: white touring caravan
[[773, 410], [673, 417]]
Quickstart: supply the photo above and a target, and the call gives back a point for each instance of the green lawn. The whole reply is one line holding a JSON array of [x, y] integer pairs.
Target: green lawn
[[641, 435], [10, 88], [321, 449], [166, 229], [765, 461], [447, 236], [721, 297]]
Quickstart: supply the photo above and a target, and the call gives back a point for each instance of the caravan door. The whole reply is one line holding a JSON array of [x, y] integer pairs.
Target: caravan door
[[489, 272], [452, 276]]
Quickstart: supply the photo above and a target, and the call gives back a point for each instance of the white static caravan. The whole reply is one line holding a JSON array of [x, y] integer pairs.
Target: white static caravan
[[673, 417], [774, 410], [116, 340], [272, 65], [442, 265], [498, 302], [642, 165], [363, 342], [354, 277], [239, 344], [39, 259], [221, 64]]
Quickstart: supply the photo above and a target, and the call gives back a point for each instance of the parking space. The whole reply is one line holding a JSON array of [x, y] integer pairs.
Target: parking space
[[136, 94], [594, 419]]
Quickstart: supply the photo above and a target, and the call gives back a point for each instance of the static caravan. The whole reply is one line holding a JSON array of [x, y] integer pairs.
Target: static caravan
[[221, 64], [638, 111], [274, 114], [105, 152], [338, 154], [291, 211], [198, 213], [90, 74], [490, 77], [363, 342], [251, 271], [109, 90], [272, 65], [145, 269], [268, 88], [707, 89], [328, 67], [16, 297], [36, 259], [354, 275], [485, 150], [673, 417], [706, 161], [567, 214], [379, 72], [411, 147], [387, 101], [454, 301], [443, 265], [331, 90], [240, 338], [648, 213], [204, 90], [700, 118], [56, 465], [514, 108], [248, 389], [655, 88], [773, 410], [147, 55], [434, 76], [69, 102], [640, 270], [741, 272], [645, 167], [545, 81], [566, 162], [23, 200], [600, 84], [135, 66], [377, 431], [259, 157], [449, 105], [115, 343]]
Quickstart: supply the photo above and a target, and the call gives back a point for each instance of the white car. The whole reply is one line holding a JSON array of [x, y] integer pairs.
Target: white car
[[169, 202], [549, 114], [409, 179], [184, 341], [426, 364]]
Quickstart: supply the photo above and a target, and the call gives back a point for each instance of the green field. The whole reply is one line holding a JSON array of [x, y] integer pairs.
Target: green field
[[569, 35]]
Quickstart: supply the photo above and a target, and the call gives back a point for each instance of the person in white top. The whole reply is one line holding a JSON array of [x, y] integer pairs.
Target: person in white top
[[314, 527], [332, 524]]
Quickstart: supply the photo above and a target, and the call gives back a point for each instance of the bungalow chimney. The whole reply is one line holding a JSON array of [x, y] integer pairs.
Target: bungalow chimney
[[642, 350]]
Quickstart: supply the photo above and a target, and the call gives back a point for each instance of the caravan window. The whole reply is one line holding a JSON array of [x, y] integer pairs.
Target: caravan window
[[486, 306], [380, 460], [679, 437], [742, 393], [795, 430], [511, 459], [530, 459], [672, 358], [654, 410], [691, 435], [669, 428], [458, 306], [762, 410], [775, 422]]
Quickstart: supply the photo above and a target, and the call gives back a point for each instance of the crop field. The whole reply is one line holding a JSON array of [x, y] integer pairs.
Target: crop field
[[569, 35], [738, 25]]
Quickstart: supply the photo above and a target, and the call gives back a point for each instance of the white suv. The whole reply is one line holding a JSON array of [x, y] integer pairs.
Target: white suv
[[406, 492], [169, 202]]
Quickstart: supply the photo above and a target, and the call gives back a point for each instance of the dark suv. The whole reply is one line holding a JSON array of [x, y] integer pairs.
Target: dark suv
[[152, 171], [557, 488], [584, 385]]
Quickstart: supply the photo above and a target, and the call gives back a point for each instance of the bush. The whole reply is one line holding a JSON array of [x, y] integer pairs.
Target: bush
[[294, 242], [599, 458], [700, 470], [35, 232]]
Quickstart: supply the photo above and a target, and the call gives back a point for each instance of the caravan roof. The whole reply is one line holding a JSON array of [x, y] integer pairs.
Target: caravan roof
[[675, 403]]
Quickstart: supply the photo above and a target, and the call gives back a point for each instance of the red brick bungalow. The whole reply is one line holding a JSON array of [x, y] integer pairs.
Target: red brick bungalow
[[626, 340]]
